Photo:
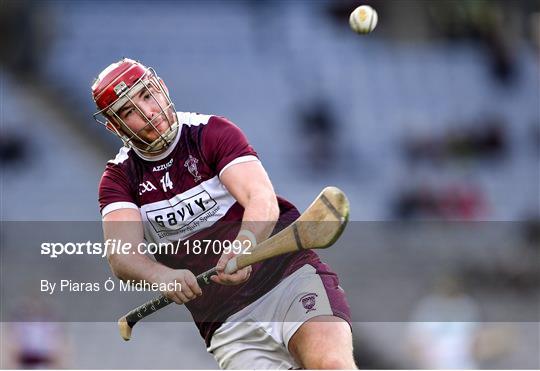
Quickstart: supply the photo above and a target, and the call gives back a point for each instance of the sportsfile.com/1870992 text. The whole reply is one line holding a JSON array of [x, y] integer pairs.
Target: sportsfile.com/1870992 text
[[113, 246]]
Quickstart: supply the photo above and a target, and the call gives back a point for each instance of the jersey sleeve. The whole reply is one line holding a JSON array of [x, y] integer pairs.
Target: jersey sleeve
[[224, 144], [115, 191]]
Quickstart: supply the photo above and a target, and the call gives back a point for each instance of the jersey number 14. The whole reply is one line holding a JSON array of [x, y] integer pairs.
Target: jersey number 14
[[166, 182]]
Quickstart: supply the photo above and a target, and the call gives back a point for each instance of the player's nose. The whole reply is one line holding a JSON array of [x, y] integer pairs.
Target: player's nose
[[150, 109]]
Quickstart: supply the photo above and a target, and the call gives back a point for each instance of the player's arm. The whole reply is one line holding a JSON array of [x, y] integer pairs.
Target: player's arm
[[249, 184], [126, 225]]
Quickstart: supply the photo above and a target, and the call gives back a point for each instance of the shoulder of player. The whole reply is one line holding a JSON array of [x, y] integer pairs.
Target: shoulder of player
[[119, 170], [121, 157], [193, 118], [208, 130], [124, 160], [201, 120]]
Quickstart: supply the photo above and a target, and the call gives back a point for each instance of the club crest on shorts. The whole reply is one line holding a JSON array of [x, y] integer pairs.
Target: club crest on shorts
[[308, 301], [191, 164]]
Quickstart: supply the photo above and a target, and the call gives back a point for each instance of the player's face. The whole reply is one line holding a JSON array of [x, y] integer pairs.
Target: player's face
[[148, 114]]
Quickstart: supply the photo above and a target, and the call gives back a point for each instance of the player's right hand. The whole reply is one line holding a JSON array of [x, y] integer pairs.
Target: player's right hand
[[190, 289]]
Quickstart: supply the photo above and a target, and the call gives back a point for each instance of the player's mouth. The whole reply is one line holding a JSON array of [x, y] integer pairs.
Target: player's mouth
[[160, 125]]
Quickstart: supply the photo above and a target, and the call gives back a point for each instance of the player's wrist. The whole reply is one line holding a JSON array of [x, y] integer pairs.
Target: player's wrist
[[246, 234], [160, 273]]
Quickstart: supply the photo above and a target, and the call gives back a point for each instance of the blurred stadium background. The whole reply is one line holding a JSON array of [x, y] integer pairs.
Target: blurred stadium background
[[433, 116]]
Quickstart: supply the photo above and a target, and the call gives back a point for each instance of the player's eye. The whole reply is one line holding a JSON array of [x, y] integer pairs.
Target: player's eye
[[129, 112]]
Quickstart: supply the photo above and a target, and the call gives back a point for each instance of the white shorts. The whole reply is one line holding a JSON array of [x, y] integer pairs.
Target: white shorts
[[257, 336]]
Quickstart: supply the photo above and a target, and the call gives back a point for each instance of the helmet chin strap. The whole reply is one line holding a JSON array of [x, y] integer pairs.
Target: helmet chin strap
[[163, 141]]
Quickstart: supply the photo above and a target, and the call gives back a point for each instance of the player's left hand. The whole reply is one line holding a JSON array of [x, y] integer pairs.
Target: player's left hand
[[238, 277]]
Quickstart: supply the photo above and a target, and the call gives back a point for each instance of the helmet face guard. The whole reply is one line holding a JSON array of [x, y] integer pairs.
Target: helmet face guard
[[117, 86]]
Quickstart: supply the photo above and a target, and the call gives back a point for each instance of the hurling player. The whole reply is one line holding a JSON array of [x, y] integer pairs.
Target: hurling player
[[185, 176]]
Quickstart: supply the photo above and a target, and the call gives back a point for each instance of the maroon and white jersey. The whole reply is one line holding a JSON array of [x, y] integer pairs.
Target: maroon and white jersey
[[180, 197], [179, 192]]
